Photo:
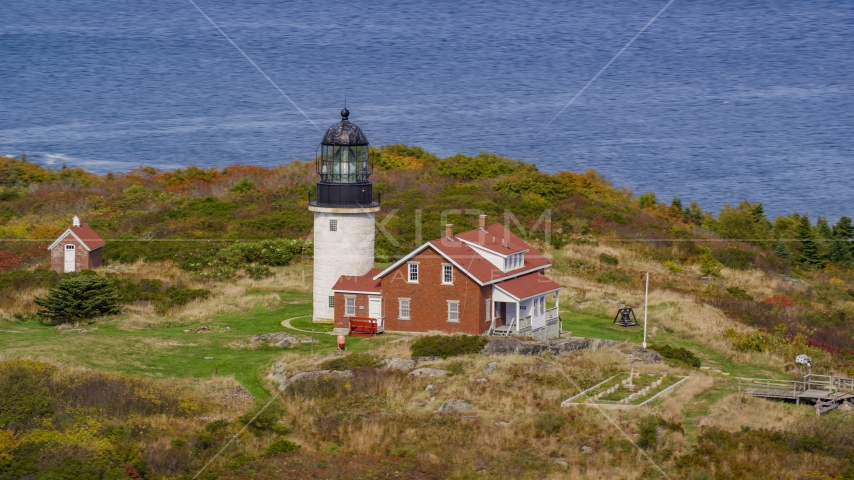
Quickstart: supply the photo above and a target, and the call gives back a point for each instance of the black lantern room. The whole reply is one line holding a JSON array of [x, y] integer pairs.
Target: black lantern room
[[344, 167]]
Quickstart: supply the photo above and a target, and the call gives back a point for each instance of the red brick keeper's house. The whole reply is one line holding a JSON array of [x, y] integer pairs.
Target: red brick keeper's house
[[484, 281], [78, 248]]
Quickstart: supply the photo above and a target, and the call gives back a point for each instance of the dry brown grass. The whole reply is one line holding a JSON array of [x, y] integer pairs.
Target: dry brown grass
[[740, 410]]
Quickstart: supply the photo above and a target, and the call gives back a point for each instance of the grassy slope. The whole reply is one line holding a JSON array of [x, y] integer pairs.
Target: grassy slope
[[171, 352]]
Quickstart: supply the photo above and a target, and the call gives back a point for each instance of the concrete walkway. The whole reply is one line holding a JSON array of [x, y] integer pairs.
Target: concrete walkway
[[287, 324]]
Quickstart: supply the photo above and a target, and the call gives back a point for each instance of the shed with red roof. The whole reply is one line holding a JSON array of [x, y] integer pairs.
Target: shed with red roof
[[78, 248]]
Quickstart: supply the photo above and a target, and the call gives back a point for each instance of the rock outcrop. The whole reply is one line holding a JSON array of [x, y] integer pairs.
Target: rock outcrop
[[455, 405], [513, 346]]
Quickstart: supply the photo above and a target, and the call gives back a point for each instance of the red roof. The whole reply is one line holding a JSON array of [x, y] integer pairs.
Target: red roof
[[363, 283], [480, 268], [528, 285], [85, 234], [492, 238], [88, 236]]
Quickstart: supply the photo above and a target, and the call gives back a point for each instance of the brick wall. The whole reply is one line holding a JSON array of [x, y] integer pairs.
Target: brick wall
[[84, 260], [341, 321], [429, 298]]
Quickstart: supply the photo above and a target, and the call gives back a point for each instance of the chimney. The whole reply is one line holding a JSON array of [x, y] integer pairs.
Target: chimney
[[75, 221], [449, 230], [502, 242], [483, 222]]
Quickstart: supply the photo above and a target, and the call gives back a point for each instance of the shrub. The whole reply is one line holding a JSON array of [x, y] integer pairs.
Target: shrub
[[739, 292], [608, 259], [447, 345], [648, 432], [243, 186], [261, 419], [353, 361], [677, 355], [735, 258], [282, 447], [24, 394], [548, 423], [484, 165], [79, 298], [781, 301], [612, 276], [672, 267], [456, 368]]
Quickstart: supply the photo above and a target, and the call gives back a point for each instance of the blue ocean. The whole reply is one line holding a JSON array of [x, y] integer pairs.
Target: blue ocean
[[716, 101]]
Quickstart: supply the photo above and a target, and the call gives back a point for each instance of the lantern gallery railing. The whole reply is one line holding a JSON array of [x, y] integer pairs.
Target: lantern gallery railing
[[344, 195]]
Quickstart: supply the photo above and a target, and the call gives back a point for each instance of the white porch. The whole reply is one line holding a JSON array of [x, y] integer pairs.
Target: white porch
[[535, 316]]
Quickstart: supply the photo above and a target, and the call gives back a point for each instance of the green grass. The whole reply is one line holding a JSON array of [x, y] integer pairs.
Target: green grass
[[172, 352], [305, 323], [592, 325]]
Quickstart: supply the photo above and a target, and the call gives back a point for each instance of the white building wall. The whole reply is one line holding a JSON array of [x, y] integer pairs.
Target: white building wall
[[347, 251]]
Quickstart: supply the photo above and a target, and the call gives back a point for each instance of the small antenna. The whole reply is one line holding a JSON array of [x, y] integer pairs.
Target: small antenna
[[345, 98]]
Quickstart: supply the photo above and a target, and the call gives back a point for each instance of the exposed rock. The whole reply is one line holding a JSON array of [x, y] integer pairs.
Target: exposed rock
[[455, 405], [398, 364], [560, 461], [502, 423], [586, 449], [419, 404], [315, 374], [421, 360], [846, 407], [427, 372], [510, 346], [331, 357], [481, 380], [279, 378], [276, 339], [647, 356], [491, 368], [430, 389]]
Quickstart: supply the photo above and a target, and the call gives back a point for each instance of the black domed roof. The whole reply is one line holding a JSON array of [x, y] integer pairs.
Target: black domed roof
[[345, 133]]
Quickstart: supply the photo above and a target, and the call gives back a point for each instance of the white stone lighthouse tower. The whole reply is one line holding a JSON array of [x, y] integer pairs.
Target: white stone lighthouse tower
[[344, 209]]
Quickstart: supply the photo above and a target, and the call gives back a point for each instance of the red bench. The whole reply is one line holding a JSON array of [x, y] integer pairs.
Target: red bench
[[363, 327]]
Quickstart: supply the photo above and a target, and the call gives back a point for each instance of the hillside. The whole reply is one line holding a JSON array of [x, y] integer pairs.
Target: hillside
[[229, 249]]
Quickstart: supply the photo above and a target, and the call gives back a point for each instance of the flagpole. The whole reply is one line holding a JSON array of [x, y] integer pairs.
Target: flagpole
[[645, 302]]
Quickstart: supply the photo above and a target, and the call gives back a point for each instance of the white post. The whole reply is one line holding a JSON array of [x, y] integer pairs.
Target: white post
[[645, 302], [518, 311]]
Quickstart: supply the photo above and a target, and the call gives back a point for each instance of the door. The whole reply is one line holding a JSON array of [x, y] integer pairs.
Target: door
[[70, 258], [375, 307]]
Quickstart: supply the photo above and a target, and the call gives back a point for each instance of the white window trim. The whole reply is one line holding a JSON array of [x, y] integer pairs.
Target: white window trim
[[347, 299], [400, 308], [69, 246], [457, 303], [409, 272], [451, 267], [331, 301]]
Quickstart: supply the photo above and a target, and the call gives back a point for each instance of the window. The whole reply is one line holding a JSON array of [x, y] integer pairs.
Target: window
[[331, 301], [333, 225], [403, 308], [447, 274], [453, 310], [69, 247], [413, 273], [349, 306], [488, 308]]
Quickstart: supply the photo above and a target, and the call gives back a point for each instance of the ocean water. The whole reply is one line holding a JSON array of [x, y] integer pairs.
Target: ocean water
[[716, 101]]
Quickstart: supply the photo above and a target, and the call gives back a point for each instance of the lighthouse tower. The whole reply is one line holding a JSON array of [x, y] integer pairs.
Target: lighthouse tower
[[344, 210]]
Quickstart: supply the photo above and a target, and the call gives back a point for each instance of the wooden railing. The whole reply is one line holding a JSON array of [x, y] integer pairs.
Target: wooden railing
[[365, 327], [551, 313]]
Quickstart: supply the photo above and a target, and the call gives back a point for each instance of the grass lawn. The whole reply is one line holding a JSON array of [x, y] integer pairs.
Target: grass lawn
[[172, 352], [305, 323], [583, 324]]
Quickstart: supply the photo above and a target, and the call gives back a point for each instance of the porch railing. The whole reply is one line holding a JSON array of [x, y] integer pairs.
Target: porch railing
[[551, 314]]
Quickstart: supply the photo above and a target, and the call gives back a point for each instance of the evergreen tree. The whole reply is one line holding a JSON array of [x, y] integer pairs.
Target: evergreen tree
[[676, 203], [809, 257], [79, 298], [842, 250], [781, 250], [824, 237]]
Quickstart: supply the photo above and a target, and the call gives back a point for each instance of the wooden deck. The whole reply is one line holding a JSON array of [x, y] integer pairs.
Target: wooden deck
[[827, 392]]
